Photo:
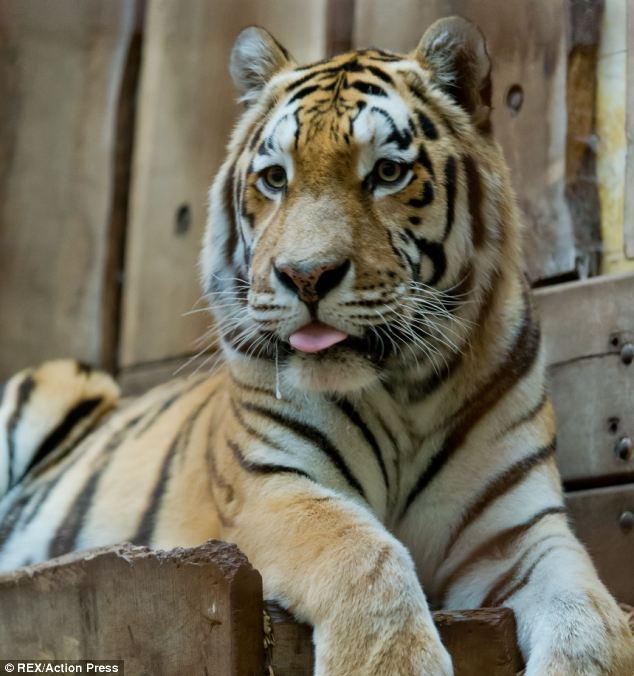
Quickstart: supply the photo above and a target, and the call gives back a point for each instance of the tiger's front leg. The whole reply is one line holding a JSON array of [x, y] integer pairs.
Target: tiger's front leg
[[332, 564], [568, 624]]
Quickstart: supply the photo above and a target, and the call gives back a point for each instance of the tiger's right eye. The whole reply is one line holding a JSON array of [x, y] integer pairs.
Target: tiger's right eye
[[274, 178]]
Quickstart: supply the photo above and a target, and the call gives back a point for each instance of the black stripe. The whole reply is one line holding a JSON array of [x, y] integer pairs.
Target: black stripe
[[476, 198], [263, 468], [499, 486], [11, 518], [315, 437], [450, 187], [65, 538], [427, 126], [403, 139], [525, 579], [25, 390], [3, 388], [348, 409], [519, 359], [368, 88], [422, 389], [306, 91], [423, 159], [145, 529], [426, 198], [232, 236], [55, 438], [380, 74], [494, 547], [436, 254]]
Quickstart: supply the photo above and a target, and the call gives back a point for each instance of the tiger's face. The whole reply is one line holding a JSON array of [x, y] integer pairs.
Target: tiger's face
[[342, 230]]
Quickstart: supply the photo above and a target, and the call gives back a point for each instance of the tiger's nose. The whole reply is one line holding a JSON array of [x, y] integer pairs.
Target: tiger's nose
[[311, 282]]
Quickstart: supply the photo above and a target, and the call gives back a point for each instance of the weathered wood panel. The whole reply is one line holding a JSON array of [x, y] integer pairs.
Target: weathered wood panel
[[62, 66], [186, 109], [188, 611], [527, 43], [604, 521], [594, 403], [587, 327], [588, 318], [582, 191]]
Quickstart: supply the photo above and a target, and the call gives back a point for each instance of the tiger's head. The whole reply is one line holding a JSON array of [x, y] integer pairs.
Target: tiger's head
[[362, 210]]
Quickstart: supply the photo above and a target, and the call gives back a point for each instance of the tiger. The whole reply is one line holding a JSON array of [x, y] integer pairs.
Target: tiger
[[378, 438]]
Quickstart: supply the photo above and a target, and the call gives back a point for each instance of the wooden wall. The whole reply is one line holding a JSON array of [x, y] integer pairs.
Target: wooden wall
[[113, 122]]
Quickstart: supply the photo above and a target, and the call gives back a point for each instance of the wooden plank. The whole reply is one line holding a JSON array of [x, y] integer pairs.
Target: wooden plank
[[629, 171], [527, 43], [601, 522], [587, 318], [594, 403], [585, 327], [582, 188], [61, 70], [186, 109], [187, 611], [480, 642]]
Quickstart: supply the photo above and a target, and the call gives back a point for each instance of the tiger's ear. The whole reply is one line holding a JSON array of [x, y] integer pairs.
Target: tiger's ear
[[455, 51], [256, 56]]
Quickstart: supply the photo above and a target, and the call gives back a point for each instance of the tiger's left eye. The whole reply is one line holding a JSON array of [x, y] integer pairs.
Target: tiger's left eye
[[275, 178], [388, 171]]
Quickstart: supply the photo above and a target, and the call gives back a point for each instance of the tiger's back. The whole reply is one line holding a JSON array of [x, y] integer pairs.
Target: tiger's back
[[139, 474]]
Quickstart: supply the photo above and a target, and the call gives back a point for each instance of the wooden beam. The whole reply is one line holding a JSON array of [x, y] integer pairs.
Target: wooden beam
[[186, 109], [187, 611]]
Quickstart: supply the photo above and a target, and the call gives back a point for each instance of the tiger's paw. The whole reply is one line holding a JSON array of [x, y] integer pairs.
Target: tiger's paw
[[45, 410], [596, 643]]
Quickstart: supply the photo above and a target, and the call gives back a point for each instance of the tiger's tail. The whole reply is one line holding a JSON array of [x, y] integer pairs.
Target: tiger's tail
[[45, 411]]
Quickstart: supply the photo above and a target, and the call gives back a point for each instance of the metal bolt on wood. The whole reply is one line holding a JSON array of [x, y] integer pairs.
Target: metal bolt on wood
[[627, 353], [626, 521], [624, 448]]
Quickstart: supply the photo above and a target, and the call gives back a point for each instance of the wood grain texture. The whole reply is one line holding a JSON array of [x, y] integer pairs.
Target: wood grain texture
[[186, 110], [61, 69], [629, 171], [597, 518], [479, 641], [594, 404], [581, 319], [582, 190], [585, 326], [527, 43], [187, 611]]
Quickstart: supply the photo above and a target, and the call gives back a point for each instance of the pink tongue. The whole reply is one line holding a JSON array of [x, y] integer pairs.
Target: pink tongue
[[315, 337]]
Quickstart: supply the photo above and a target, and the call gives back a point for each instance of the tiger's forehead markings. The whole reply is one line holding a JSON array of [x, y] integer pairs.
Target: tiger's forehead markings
[[351, 96]]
